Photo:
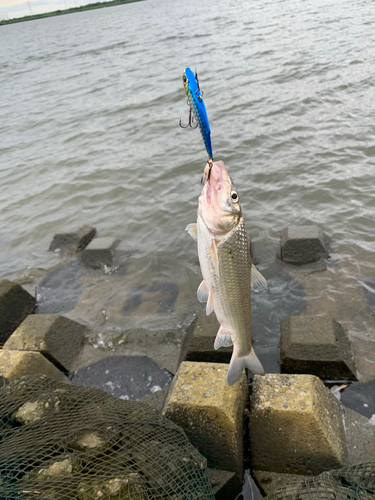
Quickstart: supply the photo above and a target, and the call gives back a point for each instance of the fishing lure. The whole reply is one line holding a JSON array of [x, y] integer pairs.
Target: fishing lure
[[195, 101]]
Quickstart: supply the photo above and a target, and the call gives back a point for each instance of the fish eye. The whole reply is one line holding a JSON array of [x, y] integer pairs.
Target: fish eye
[[235, 197]]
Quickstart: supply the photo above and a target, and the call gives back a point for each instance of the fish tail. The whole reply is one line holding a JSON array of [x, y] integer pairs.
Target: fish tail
[[238, 363]]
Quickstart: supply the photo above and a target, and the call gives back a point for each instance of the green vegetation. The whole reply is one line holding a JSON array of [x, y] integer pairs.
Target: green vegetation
[[96, 5]]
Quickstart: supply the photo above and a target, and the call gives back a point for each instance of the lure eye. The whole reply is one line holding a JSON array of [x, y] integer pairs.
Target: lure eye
[[235, 197], [184, 79]]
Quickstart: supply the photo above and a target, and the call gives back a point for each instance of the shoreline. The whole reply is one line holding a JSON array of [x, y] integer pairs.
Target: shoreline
[[91, 6]]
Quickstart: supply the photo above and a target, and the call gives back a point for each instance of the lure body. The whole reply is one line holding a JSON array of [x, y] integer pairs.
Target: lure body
[[195, 99]]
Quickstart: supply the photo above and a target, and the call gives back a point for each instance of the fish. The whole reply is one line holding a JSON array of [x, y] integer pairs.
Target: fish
[[227, 269], [195, 101]]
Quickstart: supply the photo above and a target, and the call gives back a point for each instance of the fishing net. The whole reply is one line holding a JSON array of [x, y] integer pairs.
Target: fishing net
[[351, 483], [63, 442]]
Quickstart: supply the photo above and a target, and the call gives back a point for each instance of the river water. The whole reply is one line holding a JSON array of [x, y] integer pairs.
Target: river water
[[90, 105]]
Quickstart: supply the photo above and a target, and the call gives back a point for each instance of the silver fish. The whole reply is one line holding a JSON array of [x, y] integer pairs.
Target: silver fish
[[228, 273]]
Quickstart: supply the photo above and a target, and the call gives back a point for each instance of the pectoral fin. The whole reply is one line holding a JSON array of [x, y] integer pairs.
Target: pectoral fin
[[210, 303], [213, 254], [192, 230], [203, 292], [223, 339], [258, 281]]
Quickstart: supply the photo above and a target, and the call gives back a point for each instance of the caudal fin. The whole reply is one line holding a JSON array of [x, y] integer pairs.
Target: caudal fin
[[237, 364]]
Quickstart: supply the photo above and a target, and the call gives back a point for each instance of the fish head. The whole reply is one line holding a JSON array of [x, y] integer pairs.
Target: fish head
[[219, 203], [189, 81]]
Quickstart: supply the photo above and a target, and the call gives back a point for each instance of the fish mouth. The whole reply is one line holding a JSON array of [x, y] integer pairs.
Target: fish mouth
[[214, 206]]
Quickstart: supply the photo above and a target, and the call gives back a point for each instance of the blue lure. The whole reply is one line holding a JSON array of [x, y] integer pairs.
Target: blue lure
[[195, 101]]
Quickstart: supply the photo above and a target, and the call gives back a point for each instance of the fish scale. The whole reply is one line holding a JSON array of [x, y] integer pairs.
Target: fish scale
[[232, 286]]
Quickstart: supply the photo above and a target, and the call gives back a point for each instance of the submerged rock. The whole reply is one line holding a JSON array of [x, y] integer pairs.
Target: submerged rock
[[127, 377], [302, 245]]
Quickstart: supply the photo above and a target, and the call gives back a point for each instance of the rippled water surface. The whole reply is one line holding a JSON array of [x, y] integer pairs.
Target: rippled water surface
[[89, 134]]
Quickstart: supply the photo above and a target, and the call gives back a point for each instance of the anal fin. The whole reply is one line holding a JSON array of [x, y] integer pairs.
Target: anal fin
[[203, 292], [210, 303], [258, 281], [223, 339]]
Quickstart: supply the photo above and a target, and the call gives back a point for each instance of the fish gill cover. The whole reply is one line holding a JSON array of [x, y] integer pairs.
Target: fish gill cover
[[64, 442]]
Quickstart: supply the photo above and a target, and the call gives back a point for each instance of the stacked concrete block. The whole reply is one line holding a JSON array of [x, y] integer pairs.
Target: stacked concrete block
[[15, 305], [199, 341], [316, 345], [58, 338], [99, 252], [15, 364], [210, 412], [302, 245], [73, 241], [296, 426]]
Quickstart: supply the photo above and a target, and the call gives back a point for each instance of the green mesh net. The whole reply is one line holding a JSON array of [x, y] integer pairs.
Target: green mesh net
[[350, 483], [63, 442]]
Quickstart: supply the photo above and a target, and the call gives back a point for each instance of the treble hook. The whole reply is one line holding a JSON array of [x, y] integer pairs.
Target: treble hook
[[190, 122]]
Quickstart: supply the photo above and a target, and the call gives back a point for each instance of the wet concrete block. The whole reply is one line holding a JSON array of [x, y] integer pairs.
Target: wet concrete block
[[15, 364], [270, 482], [360, 437], [302, 245], [156, 400], [223, 483], [99, 252], [316, 345], [199, 341], [74, 241], [15, 305], [58, 338], [295, 425], [210, 412]]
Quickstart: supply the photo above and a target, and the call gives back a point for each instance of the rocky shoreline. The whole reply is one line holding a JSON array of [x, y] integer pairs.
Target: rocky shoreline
[[296, 425]]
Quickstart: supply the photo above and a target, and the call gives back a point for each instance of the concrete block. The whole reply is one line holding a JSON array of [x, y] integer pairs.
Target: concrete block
[[270, 482], [74, 241], [58, 338], [360, 437], [302, 244], [316, 345], [99, 252], [15, 305], [210, 412], [15, 364], [295, 426], [199, 341], [224, 483]]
